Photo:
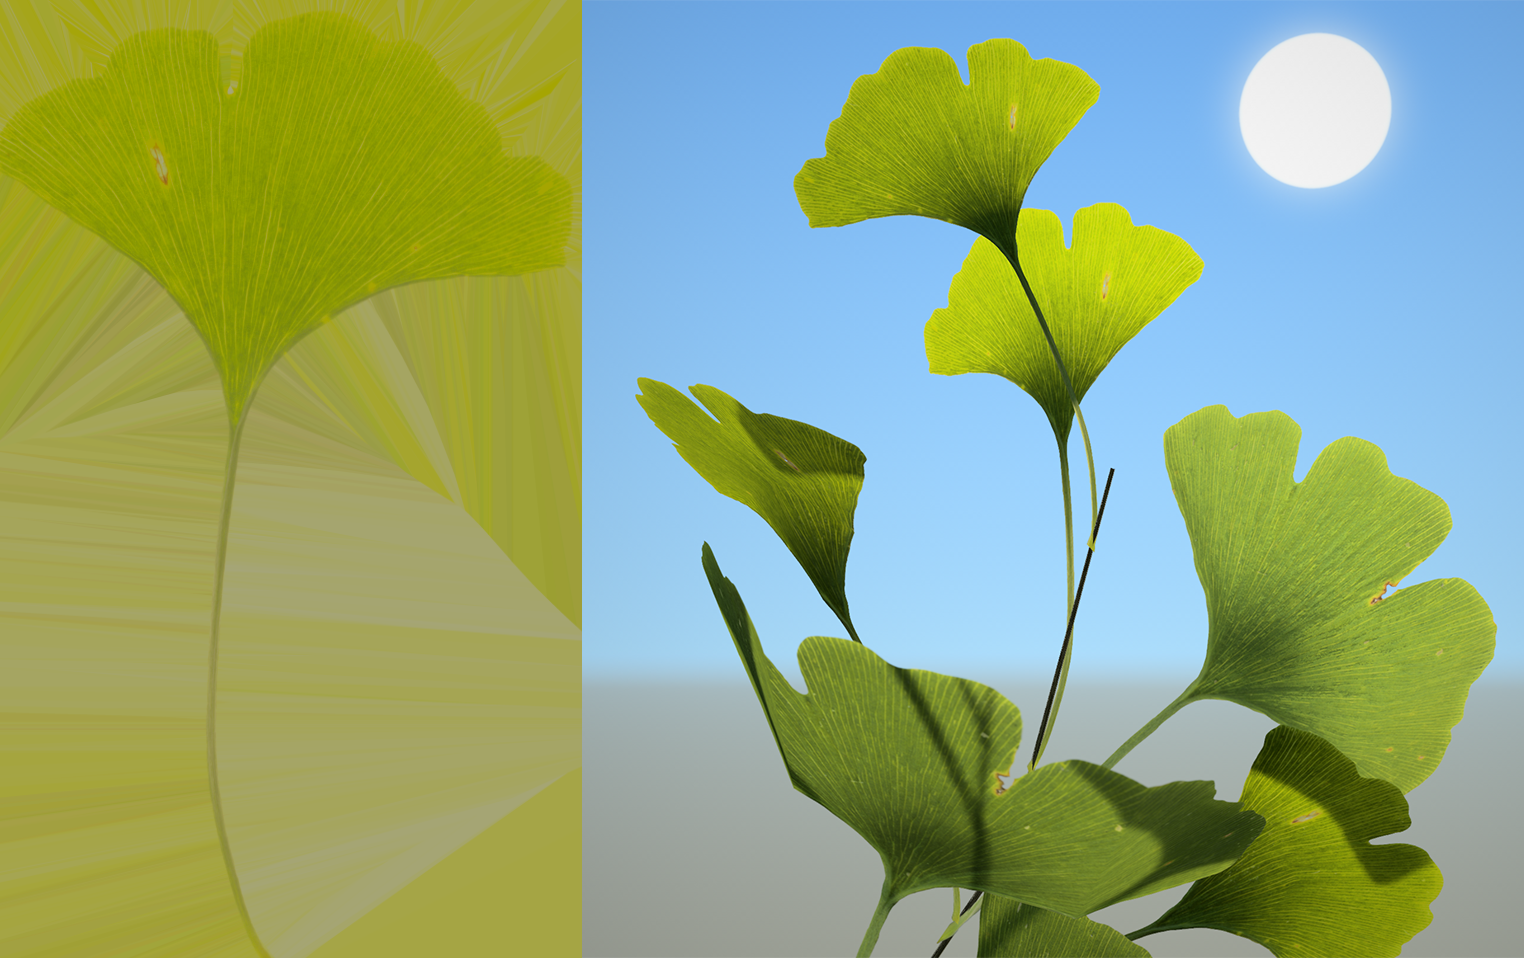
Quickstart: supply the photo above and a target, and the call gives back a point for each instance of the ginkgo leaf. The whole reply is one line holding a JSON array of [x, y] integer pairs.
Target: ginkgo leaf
[[1095, 295], [1294, 575], [913, 139], [1013, 929], [339, 166], [1312, 884], [920, 765], [802, 480], [390, 683]]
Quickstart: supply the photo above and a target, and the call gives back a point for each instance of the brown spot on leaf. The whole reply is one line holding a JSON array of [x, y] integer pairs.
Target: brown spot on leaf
[[1105, 285], [1389, 748], [158, 162], [1306, 818], [1382, 594], [1010, 119]]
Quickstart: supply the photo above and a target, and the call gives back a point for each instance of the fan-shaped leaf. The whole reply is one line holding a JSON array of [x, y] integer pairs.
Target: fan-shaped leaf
[[919, 765], [802, 480], [913, 139], [339, 166], [1011, 929], [1095, 296], [1294, 575], [1312, 884]]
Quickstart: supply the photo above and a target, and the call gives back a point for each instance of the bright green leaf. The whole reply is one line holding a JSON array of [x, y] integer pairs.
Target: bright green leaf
[[340, 166], [1095, 296], [1313, 884], [913, 139], [802, 480], [919, 765], [1011, 929], [1294, 574]]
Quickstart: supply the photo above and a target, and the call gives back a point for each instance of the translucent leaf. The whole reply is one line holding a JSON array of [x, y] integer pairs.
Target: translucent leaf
[[340, 166], [802, 480], [1095, 296], [920, 765], [913, 139], [1011, 929], [1312, 884], [1294, 576]]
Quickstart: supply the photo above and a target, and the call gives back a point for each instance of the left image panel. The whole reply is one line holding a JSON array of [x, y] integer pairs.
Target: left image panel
[[290, 479]]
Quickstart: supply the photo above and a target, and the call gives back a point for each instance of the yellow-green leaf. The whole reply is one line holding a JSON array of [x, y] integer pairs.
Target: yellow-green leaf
[[1096, 295], [338, 166], [914, 139]]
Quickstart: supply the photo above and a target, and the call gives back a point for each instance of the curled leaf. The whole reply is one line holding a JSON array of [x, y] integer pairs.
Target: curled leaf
[[1294, 575], [1096, 296], [920, 765], [1313, 884], [1011, 929], [802, 480], [339, 166], [912, 139]]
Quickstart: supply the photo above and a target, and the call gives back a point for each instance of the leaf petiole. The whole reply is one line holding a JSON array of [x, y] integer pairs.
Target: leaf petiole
[[959, 918]]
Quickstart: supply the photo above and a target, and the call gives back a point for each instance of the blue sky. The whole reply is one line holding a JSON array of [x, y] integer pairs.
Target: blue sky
[[1386, 307]]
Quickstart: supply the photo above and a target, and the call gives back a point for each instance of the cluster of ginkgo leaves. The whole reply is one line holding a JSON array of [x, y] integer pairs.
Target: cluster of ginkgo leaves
[[1366, 689]]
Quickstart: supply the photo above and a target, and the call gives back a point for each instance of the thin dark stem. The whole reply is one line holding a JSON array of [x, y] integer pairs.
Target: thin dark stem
[[1063, 654], [942, 945]]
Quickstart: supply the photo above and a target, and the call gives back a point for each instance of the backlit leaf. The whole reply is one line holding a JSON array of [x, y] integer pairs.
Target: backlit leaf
[[913, 139], [1095, 295]]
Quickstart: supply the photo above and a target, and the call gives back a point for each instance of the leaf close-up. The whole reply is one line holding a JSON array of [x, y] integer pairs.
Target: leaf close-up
[[1313, 884], [802, 480], [338, 166], [1096, 295], [1295, 575], [921, 766], [914, 139]]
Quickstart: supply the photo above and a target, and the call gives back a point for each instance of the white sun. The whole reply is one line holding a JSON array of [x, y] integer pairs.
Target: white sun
[[1315, 110]]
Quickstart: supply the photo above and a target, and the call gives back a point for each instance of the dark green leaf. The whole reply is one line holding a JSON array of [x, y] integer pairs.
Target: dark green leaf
[[1312, 884], [920, 765], [1010, 929]]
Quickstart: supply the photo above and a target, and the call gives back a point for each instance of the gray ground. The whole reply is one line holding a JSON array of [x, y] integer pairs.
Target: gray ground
[[694, 844]]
